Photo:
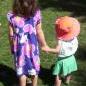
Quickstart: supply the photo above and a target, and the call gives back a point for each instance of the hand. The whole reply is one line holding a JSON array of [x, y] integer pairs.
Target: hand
[[46, 48], [53, 50]]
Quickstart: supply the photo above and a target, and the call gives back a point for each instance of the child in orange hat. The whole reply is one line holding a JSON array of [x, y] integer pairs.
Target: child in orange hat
[[67, 30]]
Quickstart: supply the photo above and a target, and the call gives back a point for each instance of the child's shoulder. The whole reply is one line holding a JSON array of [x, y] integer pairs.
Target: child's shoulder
[[74, 40], [9, 15], [38, 12]]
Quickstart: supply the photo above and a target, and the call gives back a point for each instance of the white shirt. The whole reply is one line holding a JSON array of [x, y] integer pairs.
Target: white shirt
[[68, 47]]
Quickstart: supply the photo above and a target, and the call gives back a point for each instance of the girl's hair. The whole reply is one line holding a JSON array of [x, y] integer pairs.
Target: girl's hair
[[25, 8]]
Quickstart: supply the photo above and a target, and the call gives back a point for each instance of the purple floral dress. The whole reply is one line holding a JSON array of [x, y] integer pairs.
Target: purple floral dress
[[25, 45]]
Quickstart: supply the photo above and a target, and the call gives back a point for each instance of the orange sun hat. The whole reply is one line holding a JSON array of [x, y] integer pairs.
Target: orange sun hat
[[67, 28]]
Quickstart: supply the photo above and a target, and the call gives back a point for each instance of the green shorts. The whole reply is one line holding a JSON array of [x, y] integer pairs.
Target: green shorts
[[65, 65]]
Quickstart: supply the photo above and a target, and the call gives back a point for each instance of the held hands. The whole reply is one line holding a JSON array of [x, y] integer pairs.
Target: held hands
[[53, 50], [46, 48]]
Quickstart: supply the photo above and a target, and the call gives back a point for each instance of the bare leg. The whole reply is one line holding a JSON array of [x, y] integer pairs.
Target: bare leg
[[22, 80], [29, 80], [34, 80], [57, 81], [68, 77]]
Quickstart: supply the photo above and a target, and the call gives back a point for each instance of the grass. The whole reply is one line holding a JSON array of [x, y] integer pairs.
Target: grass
[[51, 9]]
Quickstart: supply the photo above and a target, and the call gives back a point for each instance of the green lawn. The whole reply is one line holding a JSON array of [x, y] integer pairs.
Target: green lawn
[[50, 10]]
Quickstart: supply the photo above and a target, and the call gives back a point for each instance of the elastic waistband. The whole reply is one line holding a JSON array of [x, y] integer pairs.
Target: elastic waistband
[[61, 58]]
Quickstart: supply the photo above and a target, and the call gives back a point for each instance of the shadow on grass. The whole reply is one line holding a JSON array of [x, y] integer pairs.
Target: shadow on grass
[[77, 7], [80, 78], [81, 53], [46, 76], [7, 76]]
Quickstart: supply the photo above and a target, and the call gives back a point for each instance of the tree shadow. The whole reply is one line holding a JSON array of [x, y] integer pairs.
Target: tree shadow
[[46, 76], [8, 76], [77, 7]]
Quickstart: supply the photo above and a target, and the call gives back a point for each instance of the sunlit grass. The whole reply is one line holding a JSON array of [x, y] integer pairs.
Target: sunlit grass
[[49, 16]]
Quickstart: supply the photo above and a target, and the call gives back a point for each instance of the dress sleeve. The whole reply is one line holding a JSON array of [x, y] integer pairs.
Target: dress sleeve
[[38, 17], [9, 17]]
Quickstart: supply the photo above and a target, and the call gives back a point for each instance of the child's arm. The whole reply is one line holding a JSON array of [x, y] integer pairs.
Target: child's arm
[[41, 37], [55, 50], [10, 35]]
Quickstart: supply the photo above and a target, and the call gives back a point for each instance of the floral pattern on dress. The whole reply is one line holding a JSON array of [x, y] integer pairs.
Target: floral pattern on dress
[[25, 47]]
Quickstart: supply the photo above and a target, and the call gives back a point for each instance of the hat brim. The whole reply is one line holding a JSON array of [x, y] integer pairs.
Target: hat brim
[[70, 35], [74, 30]]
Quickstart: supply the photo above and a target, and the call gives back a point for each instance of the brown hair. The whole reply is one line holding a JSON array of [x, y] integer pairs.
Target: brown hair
[[25, 8]]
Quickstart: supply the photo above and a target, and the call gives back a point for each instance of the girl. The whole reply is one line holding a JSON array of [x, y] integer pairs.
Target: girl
[[24, 33], [67, 30]]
